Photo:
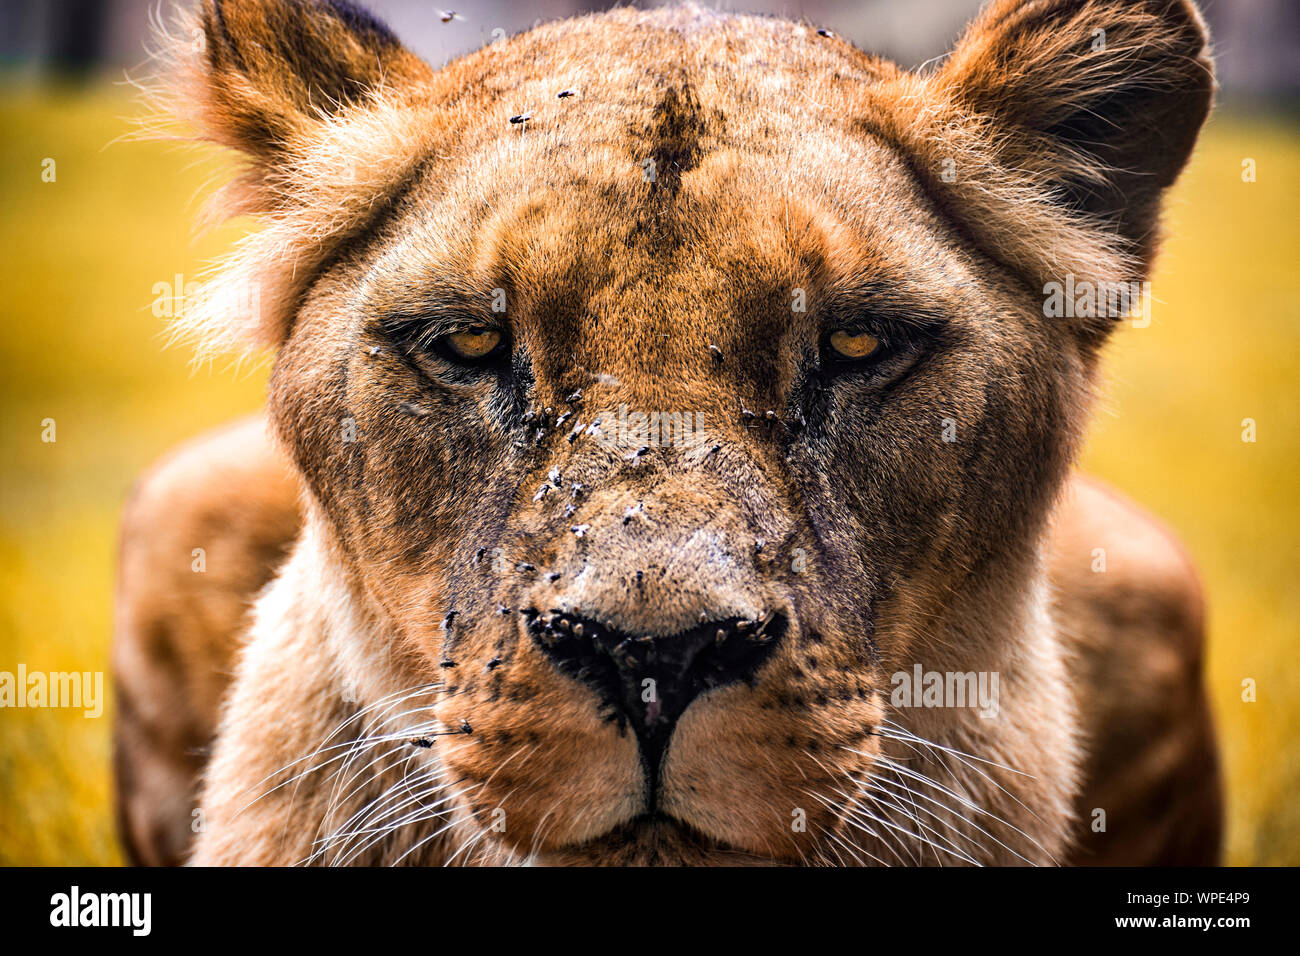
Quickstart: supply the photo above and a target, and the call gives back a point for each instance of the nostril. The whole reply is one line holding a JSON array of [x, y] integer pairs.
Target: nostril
[[650, 681]]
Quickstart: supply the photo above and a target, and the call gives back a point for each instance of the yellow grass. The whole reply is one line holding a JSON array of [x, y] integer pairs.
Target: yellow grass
[[80, 345], [1224, 346]]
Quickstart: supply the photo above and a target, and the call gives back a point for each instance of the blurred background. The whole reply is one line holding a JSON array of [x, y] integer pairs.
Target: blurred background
[[93, 227]]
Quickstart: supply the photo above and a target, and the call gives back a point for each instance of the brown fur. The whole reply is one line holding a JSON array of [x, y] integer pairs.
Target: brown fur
[[398, 200], [1137, 631]]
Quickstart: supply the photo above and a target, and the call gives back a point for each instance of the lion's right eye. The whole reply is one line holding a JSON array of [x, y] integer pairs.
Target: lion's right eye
[[854, 345], [471, 347]]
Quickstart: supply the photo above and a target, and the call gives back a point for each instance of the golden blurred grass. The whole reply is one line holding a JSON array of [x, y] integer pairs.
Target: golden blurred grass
[[1223, 346], [80, 345]]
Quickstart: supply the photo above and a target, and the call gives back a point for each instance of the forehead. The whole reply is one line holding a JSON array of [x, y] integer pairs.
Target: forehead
[[696, 164]]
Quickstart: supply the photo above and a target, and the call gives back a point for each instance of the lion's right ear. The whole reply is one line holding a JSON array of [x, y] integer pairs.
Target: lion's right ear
[[269, 70], [332, 115]]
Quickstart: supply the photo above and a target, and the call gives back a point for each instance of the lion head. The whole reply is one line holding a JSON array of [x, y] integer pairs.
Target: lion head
[[663, 382]]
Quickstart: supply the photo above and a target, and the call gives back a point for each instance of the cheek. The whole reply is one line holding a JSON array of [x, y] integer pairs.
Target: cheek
[[383, 455], [308, 403], [905, 467], [539, 768], [759, 768], [880, 484]]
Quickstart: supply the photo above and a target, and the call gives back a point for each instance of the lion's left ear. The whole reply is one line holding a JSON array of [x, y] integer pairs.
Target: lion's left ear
[[1101, 100]]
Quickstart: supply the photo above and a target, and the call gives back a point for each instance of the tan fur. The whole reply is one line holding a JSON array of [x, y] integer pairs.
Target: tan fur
[[230, 494], [1135, 635], [399, 695]]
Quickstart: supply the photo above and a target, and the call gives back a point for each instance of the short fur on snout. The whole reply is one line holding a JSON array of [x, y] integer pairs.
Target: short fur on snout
[[665, 214]]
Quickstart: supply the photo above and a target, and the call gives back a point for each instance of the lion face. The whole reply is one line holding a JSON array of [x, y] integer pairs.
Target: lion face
[[655, 540], [664, 425]]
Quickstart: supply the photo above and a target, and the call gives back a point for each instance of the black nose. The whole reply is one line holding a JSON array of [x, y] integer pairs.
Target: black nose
[[650, 681]]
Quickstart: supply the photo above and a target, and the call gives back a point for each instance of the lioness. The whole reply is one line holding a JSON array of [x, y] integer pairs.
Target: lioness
[[668, 454]]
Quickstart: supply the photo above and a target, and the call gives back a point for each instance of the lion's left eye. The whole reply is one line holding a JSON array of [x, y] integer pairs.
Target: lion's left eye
[[854, 345], [472, 346]]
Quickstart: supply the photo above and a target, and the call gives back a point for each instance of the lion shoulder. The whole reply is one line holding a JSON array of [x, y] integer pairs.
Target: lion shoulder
[[202, 533], [1128, 603]]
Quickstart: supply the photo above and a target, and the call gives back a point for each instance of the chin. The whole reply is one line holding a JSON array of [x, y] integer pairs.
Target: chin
[[652, 840]]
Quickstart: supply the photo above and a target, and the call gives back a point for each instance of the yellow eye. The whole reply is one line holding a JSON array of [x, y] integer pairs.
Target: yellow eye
[[474, 344], [851, 346]]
